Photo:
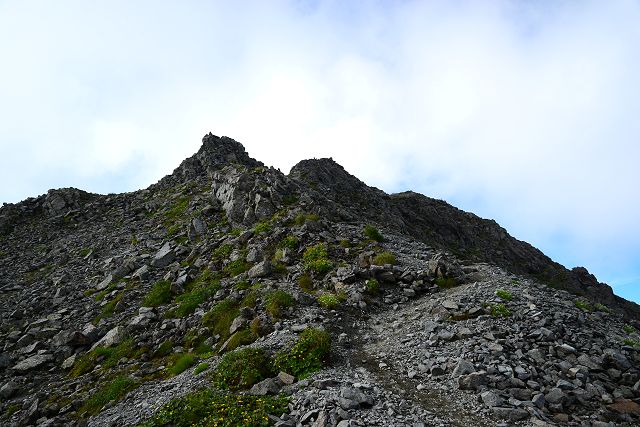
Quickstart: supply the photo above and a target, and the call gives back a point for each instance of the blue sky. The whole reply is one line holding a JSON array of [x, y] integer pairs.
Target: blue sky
[[520, 111]]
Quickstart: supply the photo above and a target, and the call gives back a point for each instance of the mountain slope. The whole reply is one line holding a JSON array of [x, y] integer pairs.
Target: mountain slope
[[434, 315]]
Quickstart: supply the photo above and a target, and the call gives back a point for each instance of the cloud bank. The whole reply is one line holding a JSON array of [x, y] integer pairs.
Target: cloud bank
[[520, 111]]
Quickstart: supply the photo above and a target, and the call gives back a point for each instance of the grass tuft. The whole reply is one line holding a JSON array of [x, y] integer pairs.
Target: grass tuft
[[308, 355]]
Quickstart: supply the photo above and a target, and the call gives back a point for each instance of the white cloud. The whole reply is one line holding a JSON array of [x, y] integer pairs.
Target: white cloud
[[521, 111]]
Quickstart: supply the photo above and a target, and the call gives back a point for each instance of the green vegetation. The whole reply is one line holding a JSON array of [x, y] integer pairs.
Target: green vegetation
[[201, 368], [289, 242], [372, 233], [84, 252], [103, 293], [241, 369], [236, 267], [372, 286], [344, 243], [109, 308], [222, 252], [181, 362], [220, 317], [504, 295], [305, 282], [263, 227], [159, 294], [114, 390], [308, 355], [301, 218], [500, 310], [631, 343], [384, 258], [629, 329], [108, 357], [316, 259], [603, 308], [177, 211], [197, 292], [276, 301], [163, 349], [250, 299], [208, 408], [240, 338], [329, 301], [11, 409], [583, 305], [290, 199], [445, 283]]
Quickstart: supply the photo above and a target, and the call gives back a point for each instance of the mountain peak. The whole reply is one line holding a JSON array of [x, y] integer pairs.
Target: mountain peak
[[130, 290], [214, 154], [223, 150]]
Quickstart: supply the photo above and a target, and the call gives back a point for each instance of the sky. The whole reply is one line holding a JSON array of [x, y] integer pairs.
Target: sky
[[525, 112]]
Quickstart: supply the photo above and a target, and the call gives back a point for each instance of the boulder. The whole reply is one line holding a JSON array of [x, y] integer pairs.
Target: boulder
[[33, 362], [164, 256]]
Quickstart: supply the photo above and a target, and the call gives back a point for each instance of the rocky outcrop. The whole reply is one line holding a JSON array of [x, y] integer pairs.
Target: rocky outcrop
[[436, 316]]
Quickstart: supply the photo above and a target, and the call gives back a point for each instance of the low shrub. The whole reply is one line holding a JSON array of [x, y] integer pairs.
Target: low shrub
[[301, 218], [240, 338], [305, 282], [583, 305], [201, 368], [107, 357], [384, 258], [262, 227], [234, 268], [289, 242], [222, 252], [504, 295], [220, 317], [163, 349], [316, 259], [113, 391], [629, 329], [160, 293], [329, 301], [372, 286], [211, 408], [276, 301], [197, 292], [181, 362], [500, 310], [372, 233], [241, 369], [308, 355]]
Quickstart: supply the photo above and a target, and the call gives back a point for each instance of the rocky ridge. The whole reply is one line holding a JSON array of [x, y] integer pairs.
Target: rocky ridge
[[436, 316]]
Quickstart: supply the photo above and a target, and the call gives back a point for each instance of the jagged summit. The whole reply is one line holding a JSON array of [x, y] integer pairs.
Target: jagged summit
[[229, 282], [214, 154]]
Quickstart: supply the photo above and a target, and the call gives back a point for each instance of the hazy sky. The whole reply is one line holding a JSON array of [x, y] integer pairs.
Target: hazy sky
[[521, 111]]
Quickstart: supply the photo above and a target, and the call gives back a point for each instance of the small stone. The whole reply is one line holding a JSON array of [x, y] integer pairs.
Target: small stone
[[286, 378], [33, 362], [8, 389], [265, 387], [111, 338], [261, 269], [472, 381], [625, 406], [462, 368], [491, 399], [555, 395], [69, 361], [164, 256], [450, 305]]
